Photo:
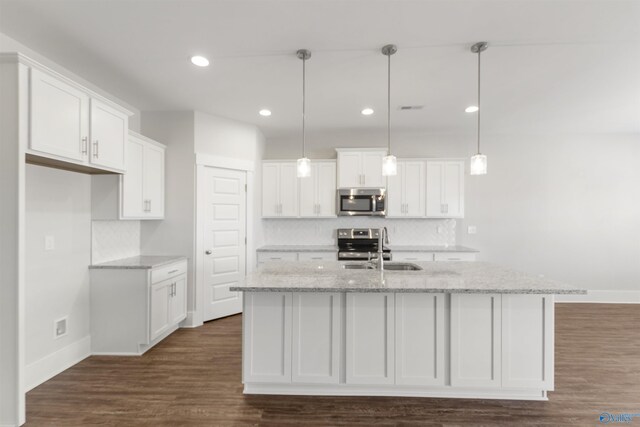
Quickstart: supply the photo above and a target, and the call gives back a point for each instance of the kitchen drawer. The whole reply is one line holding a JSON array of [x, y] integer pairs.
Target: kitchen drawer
[[317, 256], [455, 256], [277, 256], [168, 271], [412, 256]]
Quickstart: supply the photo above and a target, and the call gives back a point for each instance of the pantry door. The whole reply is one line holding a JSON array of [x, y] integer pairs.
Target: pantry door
[[225, 222]]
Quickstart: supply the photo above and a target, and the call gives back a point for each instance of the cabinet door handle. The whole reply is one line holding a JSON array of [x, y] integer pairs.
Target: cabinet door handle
[[149, 208], [84, 145], [446, 208], [364, 179], [96, 145]]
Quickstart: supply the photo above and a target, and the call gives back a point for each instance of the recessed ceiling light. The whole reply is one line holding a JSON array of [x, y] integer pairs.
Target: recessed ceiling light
[[264, 112], [367, 111], [471, 109], [200, 61]]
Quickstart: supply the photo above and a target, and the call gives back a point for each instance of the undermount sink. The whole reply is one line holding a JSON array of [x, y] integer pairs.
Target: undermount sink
[[391, 266], [402, 266]]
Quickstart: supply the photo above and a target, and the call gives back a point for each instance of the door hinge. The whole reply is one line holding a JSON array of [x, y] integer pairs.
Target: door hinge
[[245, 188], [245, 240]]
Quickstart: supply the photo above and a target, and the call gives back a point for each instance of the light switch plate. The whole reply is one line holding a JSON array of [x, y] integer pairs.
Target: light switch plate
[[49, 243], [472, 229]]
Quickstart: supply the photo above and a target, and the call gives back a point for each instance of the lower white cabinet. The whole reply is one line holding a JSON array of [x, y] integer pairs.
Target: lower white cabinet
[[316, 343], [420, 339], [168, 305], [317, 256], [267, 337], [454, 256], [418, 344], [370, 343], [264, 257], [133, 309], [412, 256]]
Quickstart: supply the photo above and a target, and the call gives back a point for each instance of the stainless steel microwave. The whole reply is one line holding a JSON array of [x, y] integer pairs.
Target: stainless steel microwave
[[361, 201]]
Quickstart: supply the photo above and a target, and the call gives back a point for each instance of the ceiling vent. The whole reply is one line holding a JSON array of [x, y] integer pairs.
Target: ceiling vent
[[411, 107]]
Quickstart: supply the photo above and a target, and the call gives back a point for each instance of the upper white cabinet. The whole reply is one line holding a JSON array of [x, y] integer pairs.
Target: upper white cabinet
[[318, 192], [142, 187], [138, 193], [406, 190], [360, 168], [279, 189], [73, 127], [59, 118], [445, 189]]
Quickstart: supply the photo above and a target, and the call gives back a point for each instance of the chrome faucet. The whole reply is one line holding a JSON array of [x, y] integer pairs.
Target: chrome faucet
[[383, 237]]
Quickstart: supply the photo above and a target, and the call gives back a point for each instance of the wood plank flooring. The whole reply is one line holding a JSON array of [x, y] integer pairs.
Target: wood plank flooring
[[193, 378]]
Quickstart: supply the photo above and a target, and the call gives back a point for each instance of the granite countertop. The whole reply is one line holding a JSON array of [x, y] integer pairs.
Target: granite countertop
[[436, 277], [298, 248], [411, 248], [138, 262]]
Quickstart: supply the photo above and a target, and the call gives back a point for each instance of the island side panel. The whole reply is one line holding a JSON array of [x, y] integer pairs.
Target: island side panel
[[527, 341]]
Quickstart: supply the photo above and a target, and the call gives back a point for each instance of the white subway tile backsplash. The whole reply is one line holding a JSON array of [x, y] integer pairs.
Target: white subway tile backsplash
[[111, 240], [437, 232]]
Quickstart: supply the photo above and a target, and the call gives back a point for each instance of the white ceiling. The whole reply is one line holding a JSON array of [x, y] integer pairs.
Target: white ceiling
[[552, 66]]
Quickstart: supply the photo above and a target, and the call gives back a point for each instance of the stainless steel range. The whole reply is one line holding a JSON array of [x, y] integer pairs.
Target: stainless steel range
[[360, 244]]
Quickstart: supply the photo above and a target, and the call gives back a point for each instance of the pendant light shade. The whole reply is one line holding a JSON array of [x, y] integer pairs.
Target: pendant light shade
[[478, 163], [304, 164], [389, 162]]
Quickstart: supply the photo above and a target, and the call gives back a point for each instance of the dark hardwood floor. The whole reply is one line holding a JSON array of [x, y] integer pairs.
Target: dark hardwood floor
[[193, 378]]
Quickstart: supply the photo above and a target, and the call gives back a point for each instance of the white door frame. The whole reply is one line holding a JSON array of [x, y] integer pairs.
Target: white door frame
[[204, 161]]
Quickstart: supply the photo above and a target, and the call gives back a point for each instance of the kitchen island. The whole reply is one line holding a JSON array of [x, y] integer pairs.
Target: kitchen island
[[449, 329]]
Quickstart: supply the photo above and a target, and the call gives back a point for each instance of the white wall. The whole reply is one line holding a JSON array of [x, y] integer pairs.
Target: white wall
[[58, 204], [565, 206]]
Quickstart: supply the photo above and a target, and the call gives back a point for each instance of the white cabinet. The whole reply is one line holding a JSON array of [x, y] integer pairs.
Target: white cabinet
[[59, 118], [109, 129], [412, 256], [420, 332], [139, 192], [370, 339], [316, 344], [133, 309], [454, 256], [267, 337], [168, 305], [527, 341], [73, 127], [476, 340], [317, 256], [445, 189], [406, 190], [279, 189], [276, 256], [318, 191], [360, 169], [142, 186]]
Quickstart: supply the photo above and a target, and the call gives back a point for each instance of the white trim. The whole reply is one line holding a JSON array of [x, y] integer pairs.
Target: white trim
[[190, 321], [397, 391], [51, 365], [146, 139], [366, 149], [224, 162], [602, 297]]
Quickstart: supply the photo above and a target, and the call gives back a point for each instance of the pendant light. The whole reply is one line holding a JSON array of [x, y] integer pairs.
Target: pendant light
[[478, 164], [389, 162], [304, 164]]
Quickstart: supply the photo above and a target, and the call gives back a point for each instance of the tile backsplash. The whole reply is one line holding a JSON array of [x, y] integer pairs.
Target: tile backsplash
[[111, 240], [441, 232]]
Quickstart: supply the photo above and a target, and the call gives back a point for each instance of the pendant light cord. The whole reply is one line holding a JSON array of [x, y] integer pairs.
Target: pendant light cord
[[479, 109], [389, 104], [304, 73]]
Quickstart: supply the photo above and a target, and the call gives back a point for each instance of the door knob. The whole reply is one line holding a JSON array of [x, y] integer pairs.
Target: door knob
[[208, 252]]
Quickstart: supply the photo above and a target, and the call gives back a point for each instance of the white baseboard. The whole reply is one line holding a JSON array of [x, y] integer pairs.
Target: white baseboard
[[605, 297], [190, 321], [49, 366]]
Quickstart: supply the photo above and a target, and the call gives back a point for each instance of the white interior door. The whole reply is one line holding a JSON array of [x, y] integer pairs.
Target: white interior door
[[224, 240]]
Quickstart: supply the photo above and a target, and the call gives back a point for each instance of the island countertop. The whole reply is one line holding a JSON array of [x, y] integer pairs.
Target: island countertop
[[440, 277]]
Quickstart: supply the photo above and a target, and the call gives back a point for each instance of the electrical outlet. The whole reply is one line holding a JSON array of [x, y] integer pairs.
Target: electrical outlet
[[60, 328], [49, 243], [472, 229], [439, 229]]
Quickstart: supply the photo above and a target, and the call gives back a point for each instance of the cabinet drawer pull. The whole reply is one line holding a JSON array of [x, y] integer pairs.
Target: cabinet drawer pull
[[275, 258], [172, 271], [316, 257]]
